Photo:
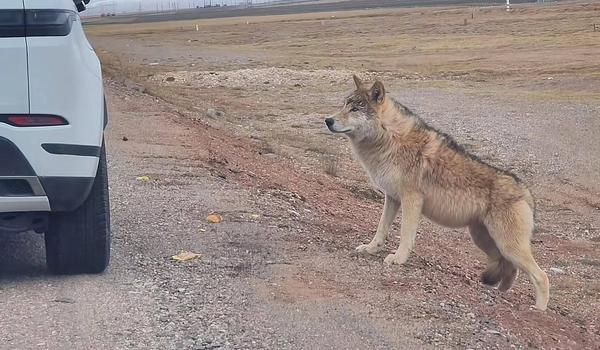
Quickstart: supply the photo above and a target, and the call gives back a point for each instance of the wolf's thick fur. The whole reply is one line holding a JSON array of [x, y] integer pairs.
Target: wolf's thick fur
[[424, 171]]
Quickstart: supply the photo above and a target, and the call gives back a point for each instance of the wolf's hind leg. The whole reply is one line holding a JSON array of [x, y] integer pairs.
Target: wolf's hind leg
[[509, 277], [390, 209], [511, 230], [412, 204], [499, 270]]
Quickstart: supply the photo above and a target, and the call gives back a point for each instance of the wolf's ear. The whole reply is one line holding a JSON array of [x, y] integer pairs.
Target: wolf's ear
[[357, 81], [377, 92]]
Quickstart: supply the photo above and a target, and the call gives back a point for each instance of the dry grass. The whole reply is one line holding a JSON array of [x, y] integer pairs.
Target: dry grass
[[431, 44]]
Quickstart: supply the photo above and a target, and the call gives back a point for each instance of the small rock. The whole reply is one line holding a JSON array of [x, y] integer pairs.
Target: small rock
[[213, 113], [64, 300], [125, 138], [170, 79], [134, 86], [557, 270]]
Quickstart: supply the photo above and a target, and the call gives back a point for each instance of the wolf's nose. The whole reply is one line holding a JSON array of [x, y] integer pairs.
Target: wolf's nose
[[329, 121]]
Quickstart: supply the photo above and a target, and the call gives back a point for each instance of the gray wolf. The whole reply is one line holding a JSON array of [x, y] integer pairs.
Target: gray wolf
[[425, 172]]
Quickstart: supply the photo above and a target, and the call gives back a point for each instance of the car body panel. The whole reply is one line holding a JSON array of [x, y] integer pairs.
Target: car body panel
[[24, 204], [52, 75], [49, 4], [14, 97], [65, 79]]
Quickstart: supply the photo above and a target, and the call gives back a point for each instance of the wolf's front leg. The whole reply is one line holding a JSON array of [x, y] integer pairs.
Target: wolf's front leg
[[390, 209], [412, 204]]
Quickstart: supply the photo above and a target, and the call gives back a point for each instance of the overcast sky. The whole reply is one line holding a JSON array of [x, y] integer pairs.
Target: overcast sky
[[99, 6]]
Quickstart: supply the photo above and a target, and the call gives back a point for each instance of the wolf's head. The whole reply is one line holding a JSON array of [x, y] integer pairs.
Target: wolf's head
[[359, 118]]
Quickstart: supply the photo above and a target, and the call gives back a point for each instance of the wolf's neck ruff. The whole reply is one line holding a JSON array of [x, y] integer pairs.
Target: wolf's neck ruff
[[399, 132], [401, 126]]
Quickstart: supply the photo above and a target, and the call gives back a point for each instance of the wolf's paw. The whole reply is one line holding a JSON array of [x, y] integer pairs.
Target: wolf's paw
[[538, 308], [394, 259], [368, 249]]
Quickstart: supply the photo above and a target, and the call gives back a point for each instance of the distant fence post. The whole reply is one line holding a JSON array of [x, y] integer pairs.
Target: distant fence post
[[596, 27]]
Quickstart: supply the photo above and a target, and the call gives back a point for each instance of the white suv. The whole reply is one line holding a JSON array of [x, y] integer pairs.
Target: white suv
[[53, 176]]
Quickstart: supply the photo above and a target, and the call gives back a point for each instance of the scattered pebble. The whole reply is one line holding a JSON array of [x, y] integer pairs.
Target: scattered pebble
[[213, 113], [214, 218], [64, 300]]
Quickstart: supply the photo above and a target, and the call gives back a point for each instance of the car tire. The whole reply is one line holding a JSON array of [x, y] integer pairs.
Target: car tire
[[79, 241]]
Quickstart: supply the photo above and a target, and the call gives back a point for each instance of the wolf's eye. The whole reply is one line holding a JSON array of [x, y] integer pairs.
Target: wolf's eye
[[354, 109]]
